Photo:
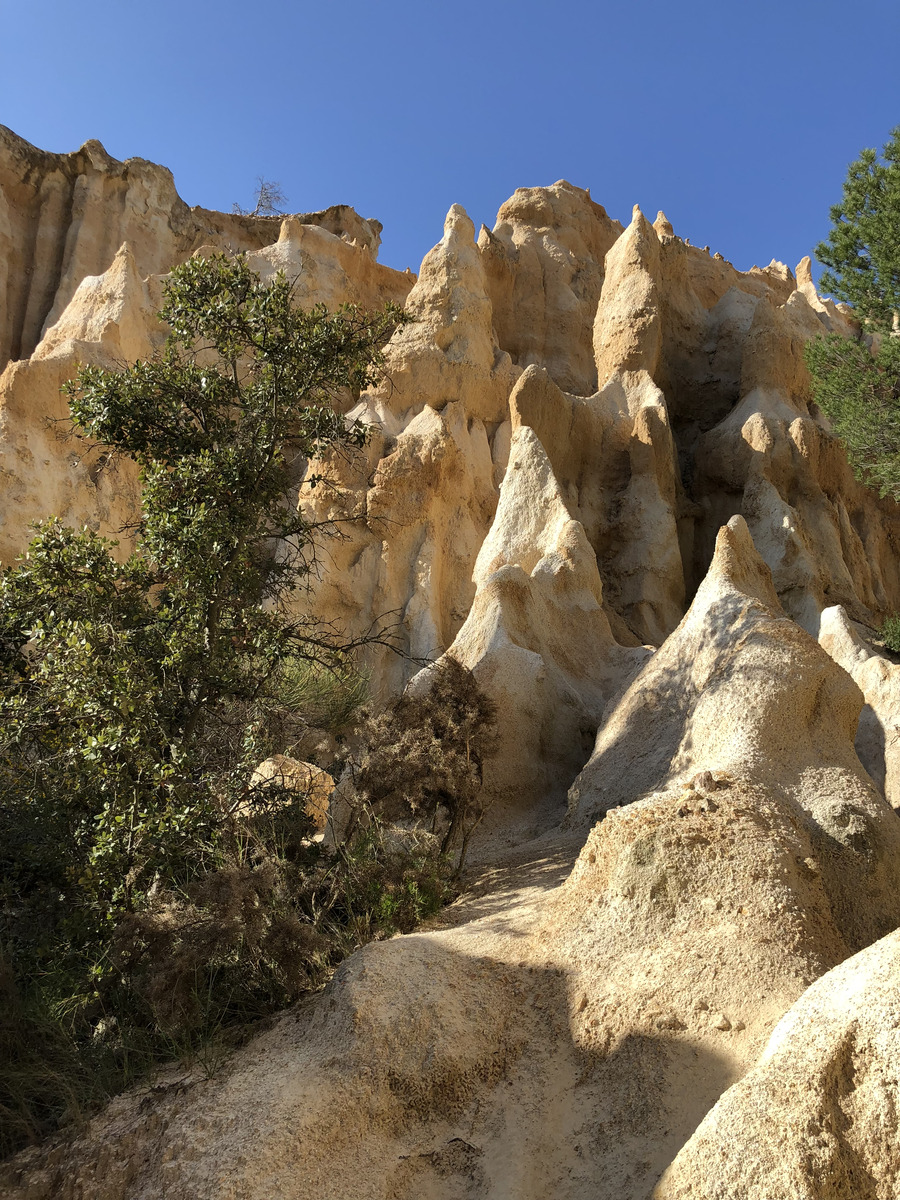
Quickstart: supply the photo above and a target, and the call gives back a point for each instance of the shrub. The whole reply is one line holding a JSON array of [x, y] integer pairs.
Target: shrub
[[150, 894], [424, 755], [890, 632]]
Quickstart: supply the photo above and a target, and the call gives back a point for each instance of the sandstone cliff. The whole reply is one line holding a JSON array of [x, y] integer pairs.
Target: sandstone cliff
[[83, 242], [596, 478]]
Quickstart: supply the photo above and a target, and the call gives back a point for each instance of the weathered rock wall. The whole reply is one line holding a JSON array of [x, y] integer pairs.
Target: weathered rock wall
[[666, 387], [596, 478], [592, 1035], [84, 240], [694, 408]]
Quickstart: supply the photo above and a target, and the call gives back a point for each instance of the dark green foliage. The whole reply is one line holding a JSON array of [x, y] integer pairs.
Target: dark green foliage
[[150, 897], [136, 693], [890, 632], [863, 248], [45, 1077], [859, 391], [857, 383], [425, 755]]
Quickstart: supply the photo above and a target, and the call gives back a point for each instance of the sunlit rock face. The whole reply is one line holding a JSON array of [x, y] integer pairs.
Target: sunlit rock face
[[692, 407], [666, 388], [84, 242], [594, 477]]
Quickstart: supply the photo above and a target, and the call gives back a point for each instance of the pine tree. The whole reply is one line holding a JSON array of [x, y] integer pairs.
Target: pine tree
[[857, 383], [863, 247]]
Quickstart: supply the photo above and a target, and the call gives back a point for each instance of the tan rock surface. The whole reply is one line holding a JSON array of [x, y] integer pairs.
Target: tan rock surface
[[655, 461], [308, 780], [84, 240], [544, 261], [632, 394], [878, 733], [658, 458], [411, 515], [537, 583], [449, 352], [64, 216], [816, 1118], [559, 1038], [740, 689]]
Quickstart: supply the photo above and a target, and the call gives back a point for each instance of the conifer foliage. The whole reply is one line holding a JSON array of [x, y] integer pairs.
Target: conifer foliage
[[856, 383]]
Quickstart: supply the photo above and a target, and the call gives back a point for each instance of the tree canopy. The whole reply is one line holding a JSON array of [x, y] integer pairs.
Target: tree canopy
[[856, 383], [863, 248]]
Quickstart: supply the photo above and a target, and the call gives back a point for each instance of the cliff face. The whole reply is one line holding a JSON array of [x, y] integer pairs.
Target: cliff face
[[64, 217], [83, 242], [596, 478]]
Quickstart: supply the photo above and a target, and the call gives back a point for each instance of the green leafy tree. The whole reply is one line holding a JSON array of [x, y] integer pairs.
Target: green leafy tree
[[139, 690], [856, 383]]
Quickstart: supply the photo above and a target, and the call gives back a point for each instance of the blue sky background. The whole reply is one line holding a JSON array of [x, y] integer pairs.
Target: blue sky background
[[737, 118]]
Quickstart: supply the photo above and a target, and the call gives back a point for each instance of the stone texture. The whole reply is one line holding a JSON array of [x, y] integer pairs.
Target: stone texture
[[878, 732], [701, 410], [537, 583], [590, 438], [742, 690], [306, 779], [84, 243], [544, 262], [816, 1117], [64, 217]]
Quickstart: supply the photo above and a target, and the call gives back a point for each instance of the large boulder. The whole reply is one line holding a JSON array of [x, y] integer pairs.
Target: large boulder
[[816, 1118]]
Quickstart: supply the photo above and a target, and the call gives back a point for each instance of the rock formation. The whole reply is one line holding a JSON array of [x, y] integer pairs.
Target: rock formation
[[878, 733], [306, 779], [595, 477], [84, 240], [569, 1039], [816, 1117]]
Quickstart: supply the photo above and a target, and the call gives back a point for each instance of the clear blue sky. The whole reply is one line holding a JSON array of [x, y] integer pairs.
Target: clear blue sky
[[737, 117]]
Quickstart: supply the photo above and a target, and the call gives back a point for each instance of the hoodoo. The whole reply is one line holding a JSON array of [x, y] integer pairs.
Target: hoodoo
[[594, 476]]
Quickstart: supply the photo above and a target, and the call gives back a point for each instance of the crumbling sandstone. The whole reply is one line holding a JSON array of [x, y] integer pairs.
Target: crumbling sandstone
[[595, 477]]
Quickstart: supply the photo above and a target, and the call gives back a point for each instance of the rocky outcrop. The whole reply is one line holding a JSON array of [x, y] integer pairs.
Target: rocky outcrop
[[63, 217], [666, 387], [576, 1024], [878, 732], [84, 241], [699, 410], [740, 691], [816, 1117], [537, 581], [595, 477], [544, 262]]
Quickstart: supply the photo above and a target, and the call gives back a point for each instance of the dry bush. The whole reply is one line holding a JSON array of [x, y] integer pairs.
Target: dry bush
[[231, 948], [424, 756]]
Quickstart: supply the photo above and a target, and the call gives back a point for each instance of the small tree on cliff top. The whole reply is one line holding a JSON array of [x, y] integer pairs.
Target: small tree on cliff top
[[857, 383]]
